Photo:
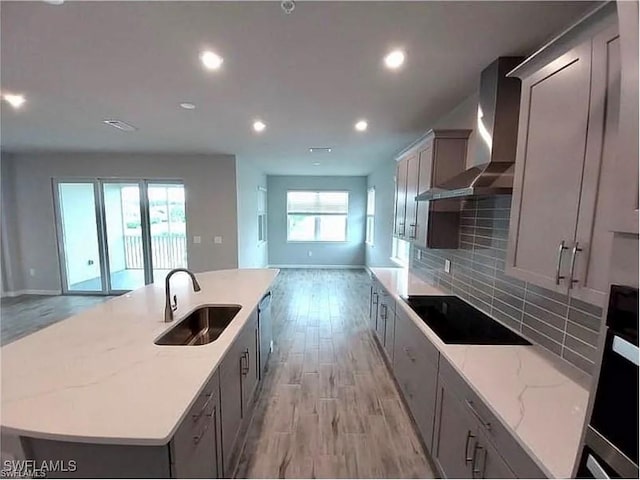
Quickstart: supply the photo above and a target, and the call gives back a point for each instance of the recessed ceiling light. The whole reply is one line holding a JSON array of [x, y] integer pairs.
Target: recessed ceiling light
[[259, 126], [394, 59], [361, 125], [211, 60], [120, 125], [54, 2], [188, 106], [320, 150], [16, 101], [316, 164]]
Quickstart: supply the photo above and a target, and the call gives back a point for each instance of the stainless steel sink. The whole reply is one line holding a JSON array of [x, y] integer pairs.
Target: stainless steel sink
[[201, 326]]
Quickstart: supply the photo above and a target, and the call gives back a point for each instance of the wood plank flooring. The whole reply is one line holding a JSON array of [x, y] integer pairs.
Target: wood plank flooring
[[328, 407], [26, 314]]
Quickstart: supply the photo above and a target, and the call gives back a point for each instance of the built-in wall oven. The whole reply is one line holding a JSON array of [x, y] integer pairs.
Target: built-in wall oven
[[611, 439]]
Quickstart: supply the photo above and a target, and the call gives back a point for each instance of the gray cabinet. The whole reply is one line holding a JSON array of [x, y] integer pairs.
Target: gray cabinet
[[373, 305], [558, 235], [415, 366], [385, 321], [438, 156], [265, 333], [456, 437], [469, 441], [230, 402], [624, 166], [250, 363], [196, 449]]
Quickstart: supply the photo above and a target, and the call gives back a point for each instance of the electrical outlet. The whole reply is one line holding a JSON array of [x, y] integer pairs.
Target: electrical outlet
[[32, 272], [447, 266], [310, 253], [418, 254], [217, 240], [197, 239]]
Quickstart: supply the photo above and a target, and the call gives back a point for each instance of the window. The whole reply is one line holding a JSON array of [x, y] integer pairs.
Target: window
[[317, 216], [400, 252], [371, 209], [262, 215]]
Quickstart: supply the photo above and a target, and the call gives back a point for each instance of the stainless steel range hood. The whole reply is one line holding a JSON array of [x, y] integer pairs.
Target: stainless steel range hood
[[496, 135]]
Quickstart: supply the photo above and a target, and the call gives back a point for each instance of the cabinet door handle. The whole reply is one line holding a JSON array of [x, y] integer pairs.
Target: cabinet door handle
[[196, 416], [574, 252], [562, 247], [476, 414], [383, 315], [467, 458], [477, 472], [245, 356], [407, 350], [375, 295], [413, 227], [198, 438]]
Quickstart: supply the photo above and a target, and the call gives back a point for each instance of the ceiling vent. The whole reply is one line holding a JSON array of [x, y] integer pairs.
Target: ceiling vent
[[120, 125]]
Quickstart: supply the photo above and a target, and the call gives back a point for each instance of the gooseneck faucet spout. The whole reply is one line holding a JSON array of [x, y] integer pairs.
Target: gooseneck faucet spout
[[171, 306]]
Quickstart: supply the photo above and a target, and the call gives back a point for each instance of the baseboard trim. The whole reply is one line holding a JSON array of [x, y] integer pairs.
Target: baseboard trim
[[350, 267], [31, 292]]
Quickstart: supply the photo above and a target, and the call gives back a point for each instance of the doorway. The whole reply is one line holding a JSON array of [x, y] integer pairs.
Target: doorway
[[117, 235]]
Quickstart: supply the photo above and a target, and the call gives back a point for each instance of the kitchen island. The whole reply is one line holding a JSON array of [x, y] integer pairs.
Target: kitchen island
[[98, 378]]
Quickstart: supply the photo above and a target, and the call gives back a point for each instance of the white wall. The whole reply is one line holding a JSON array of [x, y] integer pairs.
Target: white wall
[[349, 253], [210, 185], [251, 254], [382, 179]]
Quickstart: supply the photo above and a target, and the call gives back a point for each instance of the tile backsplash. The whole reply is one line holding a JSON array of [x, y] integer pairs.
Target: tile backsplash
[[567, 327]]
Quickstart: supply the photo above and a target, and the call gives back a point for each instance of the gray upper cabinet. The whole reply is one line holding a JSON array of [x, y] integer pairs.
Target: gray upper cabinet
[[438, 156], [624, 166], [558, 237]]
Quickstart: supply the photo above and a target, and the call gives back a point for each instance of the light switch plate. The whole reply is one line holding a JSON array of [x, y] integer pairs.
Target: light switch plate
[[197, 239], [447, 266], [217, 240]]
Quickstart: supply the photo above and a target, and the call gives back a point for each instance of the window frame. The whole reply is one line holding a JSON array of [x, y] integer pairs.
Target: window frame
[[369, 235], [316, 227]]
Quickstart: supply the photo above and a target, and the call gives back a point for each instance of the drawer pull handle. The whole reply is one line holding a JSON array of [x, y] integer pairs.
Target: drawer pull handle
[[467, 458], [408, 352], [196, 416], [476, 414], [477, 472], [198, 438]]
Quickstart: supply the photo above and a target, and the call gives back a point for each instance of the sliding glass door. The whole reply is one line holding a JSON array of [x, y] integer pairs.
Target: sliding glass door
[[119, 235], [79, 237]]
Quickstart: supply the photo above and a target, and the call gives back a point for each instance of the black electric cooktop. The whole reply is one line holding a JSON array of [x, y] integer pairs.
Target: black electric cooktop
[[455, 321]]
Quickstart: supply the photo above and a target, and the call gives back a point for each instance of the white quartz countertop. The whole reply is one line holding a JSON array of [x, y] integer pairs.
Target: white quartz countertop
[[541, 399], [99, 377]]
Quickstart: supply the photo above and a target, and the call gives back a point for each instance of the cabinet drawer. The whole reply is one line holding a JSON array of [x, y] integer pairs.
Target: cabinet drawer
[[198, 429], [414, 343], [518, 460]]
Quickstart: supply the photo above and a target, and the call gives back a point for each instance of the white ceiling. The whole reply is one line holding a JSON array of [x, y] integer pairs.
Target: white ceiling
[[309, 75]]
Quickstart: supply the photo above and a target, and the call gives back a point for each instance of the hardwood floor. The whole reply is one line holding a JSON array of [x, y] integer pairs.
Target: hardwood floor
[[20, 316], [328, 407]]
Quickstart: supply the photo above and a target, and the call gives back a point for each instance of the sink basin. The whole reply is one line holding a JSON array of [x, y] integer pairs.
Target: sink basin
[[200, 327]]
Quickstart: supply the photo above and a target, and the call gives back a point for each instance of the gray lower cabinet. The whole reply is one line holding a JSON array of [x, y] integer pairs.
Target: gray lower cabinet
[[385, 321], [238, 380], [415, 366], [265, 332], [373, 305], [469, 441], [196, 447]]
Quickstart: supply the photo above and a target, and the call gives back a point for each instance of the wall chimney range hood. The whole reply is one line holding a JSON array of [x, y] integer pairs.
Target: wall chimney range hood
[[496, 137]]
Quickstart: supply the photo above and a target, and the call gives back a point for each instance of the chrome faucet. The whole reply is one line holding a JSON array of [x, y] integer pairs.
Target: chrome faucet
[[171, 306]]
